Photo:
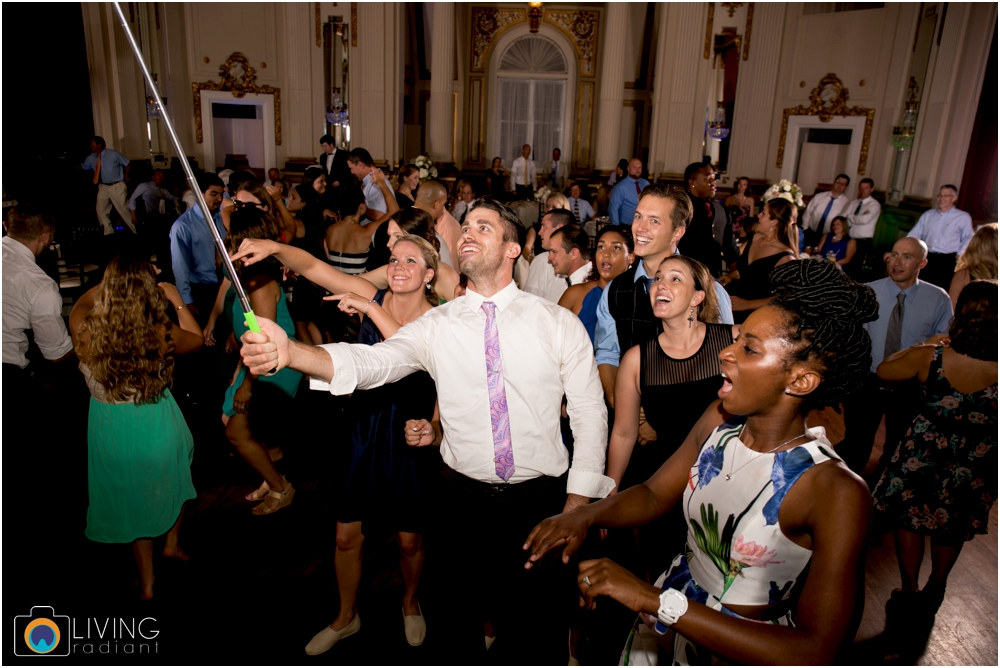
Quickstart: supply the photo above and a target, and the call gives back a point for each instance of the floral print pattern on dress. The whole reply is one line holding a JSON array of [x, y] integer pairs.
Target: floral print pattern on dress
[[942, 476]]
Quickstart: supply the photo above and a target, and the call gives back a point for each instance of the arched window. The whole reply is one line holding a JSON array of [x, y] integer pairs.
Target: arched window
[[531, 96]]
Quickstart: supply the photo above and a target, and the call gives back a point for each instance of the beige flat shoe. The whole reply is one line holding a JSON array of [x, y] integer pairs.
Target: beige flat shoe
[[415, 628], [327, 638]]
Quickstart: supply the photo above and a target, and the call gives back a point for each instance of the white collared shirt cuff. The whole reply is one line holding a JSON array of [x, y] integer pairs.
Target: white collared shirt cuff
[[345, 379], [590, 484]]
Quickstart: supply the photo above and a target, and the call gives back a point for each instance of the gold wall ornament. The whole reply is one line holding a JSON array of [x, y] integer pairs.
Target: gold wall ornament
[[534, 16], [708, 29], [581, 27], [747, 31], [488, 23], [238, 78], [827, 100], [732, 7]]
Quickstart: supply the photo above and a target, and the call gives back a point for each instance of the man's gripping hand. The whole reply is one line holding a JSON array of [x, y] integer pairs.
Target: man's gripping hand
[[267, 351]]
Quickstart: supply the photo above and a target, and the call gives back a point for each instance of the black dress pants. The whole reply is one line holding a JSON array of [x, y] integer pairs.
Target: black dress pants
[[939, 270], [476, 572], [863, 412]]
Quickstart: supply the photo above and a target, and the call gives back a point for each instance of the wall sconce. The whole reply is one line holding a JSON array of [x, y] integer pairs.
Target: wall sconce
[[534, 16], [717, 129]]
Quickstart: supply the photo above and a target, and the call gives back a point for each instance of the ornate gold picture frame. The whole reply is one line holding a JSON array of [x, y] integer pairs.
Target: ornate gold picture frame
[[238, 78], [827, 100]]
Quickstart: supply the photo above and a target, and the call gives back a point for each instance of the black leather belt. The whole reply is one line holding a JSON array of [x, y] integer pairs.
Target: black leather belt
[[505, 489], [111, 184]]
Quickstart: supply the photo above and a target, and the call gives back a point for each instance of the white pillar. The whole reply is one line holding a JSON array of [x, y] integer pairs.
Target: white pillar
[[609, 110], [374, 80], [441, 121], [680, 89], [750, 147]]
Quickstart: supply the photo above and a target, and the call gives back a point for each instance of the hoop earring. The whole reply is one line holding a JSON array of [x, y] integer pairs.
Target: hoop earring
[[691, 318]]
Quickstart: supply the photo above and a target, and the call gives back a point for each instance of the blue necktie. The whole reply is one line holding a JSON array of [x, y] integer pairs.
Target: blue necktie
[[826, 212]]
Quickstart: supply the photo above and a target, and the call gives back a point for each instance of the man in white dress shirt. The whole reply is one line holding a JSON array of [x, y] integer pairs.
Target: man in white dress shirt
[[361, 165], [823, 208], [569, 254], [862, 216], [542, 280], [31, 301], [581, 208], [522, 174], [502, 360]]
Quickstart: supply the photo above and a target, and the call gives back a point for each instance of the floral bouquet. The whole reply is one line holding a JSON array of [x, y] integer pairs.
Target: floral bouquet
[[543, 194], [426, 167], [785, 190]]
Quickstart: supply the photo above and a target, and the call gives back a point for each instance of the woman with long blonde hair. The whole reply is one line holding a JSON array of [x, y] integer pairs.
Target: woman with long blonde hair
[[385, 492], [139, 446], [979, 261]]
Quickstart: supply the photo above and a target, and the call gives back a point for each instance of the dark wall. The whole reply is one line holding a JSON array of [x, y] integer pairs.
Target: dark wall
[[47, 112], [979, 182]]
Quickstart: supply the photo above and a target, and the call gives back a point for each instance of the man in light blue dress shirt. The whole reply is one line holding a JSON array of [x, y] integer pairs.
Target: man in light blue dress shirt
[[947, 231], [656, 233], [110, 174], [192, 251], [151, 193], [625, 194], [361, 165], [921, 311]]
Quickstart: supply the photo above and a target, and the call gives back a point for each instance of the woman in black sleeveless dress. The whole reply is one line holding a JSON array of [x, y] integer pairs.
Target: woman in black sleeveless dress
[[672, 378], [771, 245]]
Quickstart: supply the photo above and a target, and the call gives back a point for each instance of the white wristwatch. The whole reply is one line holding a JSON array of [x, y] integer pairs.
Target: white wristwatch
[[673, 604]]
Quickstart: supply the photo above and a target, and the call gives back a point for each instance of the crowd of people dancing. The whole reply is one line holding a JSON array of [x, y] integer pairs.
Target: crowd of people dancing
[[520, 400]]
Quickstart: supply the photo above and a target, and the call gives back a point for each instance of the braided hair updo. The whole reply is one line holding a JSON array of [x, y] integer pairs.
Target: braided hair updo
[[825, 311]]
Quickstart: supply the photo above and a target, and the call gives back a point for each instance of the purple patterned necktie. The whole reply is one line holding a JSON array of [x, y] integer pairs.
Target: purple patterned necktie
[[503, 450]]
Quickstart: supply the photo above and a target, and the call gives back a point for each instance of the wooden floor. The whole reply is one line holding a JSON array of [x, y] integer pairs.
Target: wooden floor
[[258, 588], [965, 631]]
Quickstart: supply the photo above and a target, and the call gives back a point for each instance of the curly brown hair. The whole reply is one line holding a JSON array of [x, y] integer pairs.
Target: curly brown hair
[[973, 330], [125, 341]]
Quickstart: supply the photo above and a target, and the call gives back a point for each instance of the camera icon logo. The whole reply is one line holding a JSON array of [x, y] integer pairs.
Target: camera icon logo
[[42, 633]]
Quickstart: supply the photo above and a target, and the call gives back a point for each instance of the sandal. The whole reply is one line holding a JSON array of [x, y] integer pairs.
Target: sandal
[[284, 499], [260, 493]]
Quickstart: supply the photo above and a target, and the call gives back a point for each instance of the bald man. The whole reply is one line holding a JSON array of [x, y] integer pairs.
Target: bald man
[[625, 194], [910, 311], [431, 197]]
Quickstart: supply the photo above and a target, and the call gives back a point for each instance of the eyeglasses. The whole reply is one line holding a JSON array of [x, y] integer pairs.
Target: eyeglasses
[[240, 204]]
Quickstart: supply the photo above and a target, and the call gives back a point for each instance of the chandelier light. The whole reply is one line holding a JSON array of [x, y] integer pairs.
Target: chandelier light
[[717, 129]]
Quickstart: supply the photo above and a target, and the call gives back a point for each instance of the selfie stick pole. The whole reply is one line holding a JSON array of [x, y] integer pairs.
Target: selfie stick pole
[[227, 264]]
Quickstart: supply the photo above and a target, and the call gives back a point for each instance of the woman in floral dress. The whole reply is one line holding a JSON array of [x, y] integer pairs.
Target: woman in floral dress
[[764, 497], [942, 480]]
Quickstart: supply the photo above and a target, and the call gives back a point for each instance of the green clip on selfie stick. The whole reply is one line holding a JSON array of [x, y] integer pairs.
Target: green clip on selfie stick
[[227, 264]]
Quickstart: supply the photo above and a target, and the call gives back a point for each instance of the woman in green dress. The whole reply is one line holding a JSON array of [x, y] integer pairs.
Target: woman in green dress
[[254, 404], [139, 446]]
